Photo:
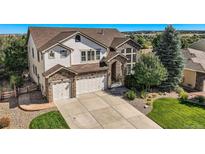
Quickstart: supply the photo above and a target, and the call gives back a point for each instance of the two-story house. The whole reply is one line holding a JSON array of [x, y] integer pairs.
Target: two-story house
[[67, 62]]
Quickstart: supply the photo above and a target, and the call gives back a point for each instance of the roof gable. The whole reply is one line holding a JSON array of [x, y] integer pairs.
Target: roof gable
[[43, 35], [199, 45], [192, 60], [117, 42]]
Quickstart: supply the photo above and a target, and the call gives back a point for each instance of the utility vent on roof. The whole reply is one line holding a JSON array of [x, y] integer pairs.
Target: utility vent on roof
[[101, 31]]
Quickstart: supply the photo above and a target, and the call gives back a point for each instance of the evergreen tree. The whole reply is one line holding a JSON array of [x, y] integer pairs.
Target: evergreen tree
[[169, 51]]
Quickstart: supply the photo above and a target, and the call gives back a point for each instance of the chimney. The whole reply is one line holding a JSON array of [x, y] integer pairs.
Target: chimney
[[101, 31]]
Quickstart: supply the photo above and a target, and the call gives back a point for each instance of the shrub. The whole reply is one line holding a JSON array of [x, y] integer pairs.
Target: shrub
[[143, 94], [201, 99], [4, 122], [16, 80], [131, 95], [183, 96], [179, 90], [129, 81]]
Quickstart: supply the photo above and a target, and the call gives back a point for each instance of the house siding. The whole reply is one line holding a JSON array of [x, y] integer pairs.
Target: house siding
[[189, 78], [57, 59], [39, 64], [84, 45]]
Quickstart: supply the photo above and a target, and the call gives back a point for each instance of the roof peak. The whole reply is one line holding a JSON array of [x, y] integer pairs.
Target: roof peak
[[41, 27]]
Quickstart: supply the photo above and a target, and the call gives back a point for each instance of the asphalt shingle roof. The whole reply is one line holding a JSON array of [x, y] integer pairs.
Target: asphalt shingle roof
[[194, 60], [44, 36]]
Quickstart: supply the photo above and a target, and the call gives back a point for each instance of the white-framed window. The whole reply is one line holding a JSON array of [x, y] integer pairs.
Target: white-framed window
[[77, 38], [51, 54], [38, 55], [98, 55], [93, 55], [41, 56], [83, 56], [90, 55], [63, 53], [32, 52], [128, 50], [34, 69]]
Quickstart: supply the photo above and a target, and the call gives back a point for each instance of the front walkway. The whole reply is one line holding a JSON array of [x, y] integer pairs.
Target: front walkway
[[194, 94], [102, 110]]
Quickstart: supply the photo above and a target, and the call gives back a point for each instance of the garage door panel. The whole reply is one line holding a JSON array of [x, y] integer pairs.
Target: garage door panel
[[61, 91], [91, 84]]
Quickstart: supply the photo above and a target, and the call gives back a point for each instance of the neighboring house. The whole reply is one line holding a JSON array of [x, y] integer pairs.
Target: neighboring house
[[194, 72], [67, 62]]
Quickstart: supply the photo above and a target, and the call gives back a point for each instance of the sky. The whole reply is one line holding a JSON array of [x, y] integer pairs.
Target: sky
[[22, 28]]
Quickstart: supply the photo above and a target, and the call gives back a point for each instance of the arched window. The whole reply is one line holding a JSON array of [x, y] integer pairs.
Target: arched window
[[77, 38]]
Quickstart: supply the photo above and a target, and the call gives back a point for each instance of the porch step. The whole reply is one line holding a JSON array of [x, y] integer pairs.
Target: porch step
[[119, 91], [117, 84]]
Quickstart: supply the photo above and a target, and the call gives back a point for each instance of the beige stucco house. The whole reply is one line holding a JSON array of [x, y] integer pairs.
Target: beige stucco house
[[67, 62], [194, 72]]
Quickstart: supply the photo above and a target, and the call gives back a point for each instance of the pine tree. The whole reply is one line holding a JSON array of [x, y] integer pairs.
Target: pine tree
[[169, 52]]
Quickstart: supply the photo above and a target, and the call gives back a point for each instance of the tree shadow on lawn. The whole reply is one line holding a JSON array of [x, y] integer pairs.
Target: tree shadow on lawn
[[191, 104]]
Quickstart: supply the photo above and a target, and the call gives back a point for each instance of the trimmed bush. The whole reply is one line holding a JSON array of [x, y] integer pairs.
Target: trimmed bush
[[131, 95], [183, 96], [201, 99], [179, 90], [4, 122]]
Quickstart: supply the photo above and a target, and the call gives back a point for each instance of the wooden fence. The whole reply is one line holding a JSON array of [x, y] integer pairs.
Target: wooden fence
[[14, 93]]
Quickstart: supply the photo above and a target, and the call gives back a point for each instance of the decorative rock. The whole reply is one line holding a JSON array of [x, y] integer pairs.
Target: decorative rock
[[145, 106]]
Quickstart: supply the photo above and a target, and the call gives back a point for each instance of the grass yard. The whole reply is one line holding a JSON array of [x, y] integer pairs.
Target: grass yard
[[171, 113], [50, 120]]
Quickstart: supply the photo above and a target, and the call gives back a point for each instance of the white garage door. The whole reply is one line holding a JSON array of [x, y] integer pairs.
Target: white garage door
[[88, 84], [61, 91]]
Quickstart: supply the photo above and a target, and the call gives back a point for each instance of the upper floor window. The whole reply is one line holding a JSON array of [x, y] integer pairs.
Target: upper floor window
[[41, 56], [32, 52], [77, 38], [98, 55], [38, 55], [63, 53], [90, 55], [83, 56], [134, 58], [51, 55], [123, 50], [128, 50]]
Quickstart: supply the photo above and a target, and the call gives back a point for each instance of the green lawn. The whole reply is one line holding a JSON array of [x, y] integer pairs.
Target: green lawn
[[170, 113], [50, 120]]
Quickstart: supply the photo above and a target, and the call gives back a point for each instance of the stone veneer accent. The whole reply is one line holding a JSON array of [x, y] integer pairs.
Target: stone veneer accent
[[60, 77], [120, 69], [200, 77]]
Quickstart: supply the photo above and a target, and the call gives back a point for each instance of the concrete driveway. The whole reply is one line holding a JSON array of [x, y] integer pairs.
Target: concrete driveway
[[102, 110]]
